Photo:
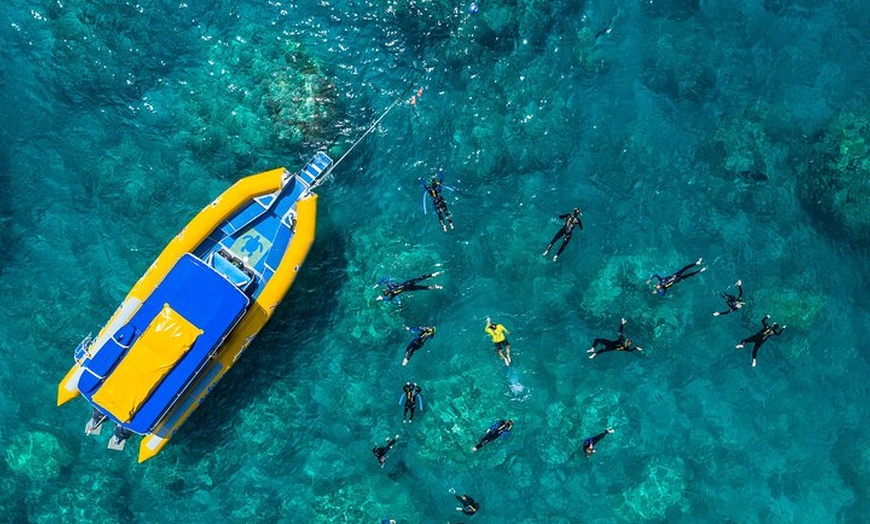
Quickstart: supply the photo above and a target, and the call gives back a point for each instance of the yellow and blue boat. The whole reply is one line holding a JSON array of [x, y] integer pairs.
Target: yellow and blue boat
[[197, 308]]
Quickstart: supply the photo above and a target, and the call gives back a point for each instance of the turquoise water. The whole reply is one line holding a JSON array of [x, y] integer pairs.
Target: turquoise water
[[731, 131]]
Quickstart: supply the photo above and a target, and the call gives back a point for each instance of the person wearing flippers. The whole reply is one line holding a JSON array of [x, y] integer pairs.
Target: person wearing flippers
[[572, 220], [392, 290], [381, 451], [733, 303], [496, 431], [412, 399], [761, 337], [434, 188], [665, 283], [423, 335], [620, 344], [469, 505], [589, 444], [499, 333]]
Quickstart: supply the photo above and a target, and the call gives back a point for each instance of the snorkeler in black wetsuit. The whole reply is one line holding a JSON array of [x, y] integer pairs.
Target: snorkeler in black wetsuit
[[666, 282], [469, 505], [733, 303], [435, 190], [496, 431], [572, 220], [620, 344], [424, 333], [381, 452], [589, 444], [412, 398], [759, 338], [392, 290]]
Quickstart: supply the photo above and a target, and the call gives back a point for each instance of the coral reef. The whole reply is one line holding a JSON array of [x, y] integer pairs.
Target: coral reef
[[255, 93], [106, 53], [615, 291], [680, 66], [661, 489], [835, 183], [38, 455], [365, 320], [97, 497], [750, 147], [12, 492], [799, 308]]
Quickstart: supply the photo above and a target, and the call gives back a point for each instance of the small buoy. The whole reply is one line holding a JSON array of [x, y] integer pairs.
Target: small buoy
[[472, 8]]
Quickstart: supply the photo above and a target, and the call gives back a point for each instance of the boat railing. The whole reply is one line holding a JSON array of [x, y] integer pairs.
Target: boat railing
[[82, 349]]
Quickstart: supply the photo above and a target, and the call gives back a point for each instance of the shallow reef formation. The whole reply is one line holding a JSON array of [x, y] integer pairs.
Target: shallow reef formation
[[12, 496], [835, 183], [615, 289], [104, 53], [97, 497], [681, 67], [38, 455], [662, 488], [365, 319], [746, 145], [524, 46], [255, 93]]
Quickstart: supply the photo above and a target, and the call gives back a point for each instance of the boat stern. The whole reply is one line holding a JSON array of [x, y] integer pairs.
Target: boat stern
[[150, 445], [68, 389]]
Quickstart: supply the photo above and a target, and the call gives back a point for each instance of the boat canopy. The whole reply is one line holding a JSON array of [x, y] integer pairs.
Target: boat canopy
[[145, 366]]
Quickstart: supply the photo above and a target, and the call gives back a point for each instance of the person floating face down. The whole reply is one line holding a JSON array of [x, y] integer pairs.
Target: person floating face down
[[620, 344], [665, 283], [435, 189], [572, 220], [381, 451], [469, 505], [733, 303], [496, 431], [423, 335], [499, 333], [589, 444], [761, 337], [411, 399], [392, 290]]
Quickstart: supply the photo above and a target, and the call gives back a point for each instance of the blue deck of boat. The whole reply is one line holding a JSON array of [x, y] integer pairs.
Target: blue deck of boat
[[204, 298], [261, 225]]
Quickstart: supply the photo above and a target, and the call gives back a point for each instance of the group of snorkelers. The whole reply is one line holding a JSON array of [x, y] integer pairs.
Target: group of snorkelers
[[411, 398], [733, 302]]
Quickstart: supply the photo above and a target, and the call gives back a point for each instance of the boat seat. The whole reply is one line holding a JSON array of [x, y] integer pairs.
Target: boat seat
[[226, 268], [101, 364]]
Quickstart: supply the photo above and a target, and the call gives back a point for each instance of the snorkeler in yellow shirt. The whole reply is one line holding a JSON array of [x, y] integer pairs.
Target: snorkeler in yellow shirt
[[498, 332]]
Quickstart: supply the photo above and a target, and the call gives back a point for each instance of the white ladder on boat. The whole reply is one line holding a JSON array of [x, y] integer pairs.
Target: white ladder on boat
[[315, 169]]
